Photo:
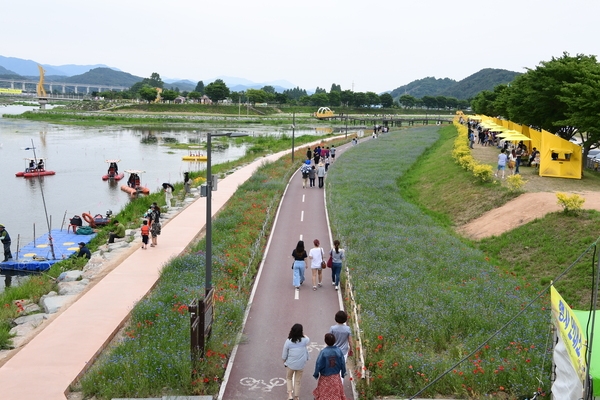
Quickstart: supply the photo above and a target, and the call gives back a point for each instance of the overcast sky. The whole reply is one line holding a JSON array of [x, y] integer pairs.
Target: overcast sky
[[372, 45]]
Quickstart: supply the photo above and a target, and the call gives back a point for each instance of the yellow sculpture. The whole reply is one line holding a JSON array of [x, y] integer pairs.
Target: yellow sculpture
[[41, 92], [323, 112], [158, 92]]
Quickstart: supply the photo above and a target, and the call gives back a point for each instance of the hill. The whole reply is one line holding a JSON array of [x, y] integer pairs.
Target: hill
[[104, 76], [486, 79], [29, 68], [183, 85], [6, 73], [429, 86]]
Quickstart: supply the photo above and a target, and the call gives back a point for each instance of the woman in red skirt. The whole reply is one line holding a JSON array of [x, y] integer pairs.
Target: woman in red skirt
[[330, 368]]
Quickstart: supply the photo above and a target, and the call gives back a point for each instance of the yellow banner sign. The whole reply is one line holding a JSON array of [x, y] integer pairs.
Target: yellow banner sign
[[11, 91], [570, 331]]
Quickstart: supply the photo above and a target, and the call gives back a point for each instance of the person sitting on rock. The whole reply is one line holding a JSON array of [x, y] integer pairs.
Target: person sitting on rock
[[84, 251], [119, 232]]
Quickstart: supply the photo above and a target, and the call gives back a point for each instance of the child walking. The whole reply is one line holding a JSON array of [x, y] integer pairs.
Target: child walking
[[145, 232]]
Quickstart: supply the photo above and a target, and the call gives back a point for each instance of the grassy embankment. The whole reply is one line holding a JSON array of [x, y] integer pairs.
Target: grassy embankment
[[538, 251], [38, 285], [429, 298]]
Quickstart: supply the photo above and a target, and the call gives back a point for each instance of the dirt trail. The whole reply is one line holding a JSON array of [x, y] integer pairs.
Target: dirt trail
[[520, 211]]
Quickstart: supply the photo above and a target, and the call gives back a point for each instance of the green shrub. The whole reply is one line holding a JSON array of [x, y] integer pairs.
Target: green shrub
[[515, 182], [570, 204], [483, 172]]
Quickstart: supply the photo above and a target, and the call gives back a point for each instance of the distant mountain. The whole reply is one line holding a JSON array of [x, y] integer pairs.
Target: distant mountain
[[240, 84], [486, 79], [30, 68], [8, 74], [184, 85], [429, 86], [104, 76]]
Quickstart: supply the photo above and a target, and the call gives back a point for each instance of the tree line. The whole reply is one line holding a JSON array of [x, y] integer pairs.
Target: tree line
[[336, 97], [561, 96]]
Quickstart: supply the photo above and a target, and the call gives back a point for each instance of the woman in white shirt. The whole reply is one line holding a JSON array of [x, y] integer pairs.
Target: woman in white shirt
[[316, 257], [295, 355]]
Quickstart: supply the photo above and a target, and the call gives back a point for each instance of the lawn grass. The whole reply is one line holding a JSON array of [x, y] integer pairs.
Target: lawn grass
[[427, 297], [435, 180]]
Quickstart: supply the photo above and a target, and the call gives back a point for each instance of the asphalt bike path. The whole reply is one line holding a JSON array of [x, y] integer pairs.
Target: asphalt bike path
[[256, 369]]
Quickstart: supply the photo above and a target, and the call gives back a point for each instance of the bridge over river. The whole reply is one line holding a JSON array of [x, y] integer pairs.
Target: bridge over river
[[391, 120], [65, 87]]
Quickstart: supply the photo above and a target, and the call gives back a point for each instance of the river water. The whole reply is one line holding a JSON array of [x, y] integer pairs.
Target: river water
[[77, 155]]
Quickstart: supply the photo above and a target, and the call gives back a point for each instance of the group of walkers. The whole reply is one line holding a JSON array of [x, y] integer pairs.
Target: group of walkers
[[317, 264], [330, 366], [322, 158]]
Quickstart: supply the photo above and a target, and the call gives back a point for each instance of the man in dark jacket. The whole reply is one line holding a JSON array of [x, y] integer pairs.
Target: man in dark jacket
[[5, 239], [84, 251]]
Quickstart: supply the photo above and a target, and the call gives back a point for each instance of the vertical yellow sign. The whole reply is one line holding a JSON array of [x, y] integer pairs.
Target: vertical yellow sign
[[570, 331]]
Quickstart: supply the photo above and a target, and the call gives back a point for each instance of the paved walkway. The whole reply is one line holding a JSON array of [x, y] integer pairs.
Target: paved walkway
[[256, 369], [59, 354]]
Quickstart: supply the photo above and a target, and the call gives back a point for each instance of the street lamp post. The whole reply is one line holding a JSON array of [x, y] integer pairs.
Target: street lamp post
[[211, 185], [293, 133], [201, 312], [346, 125]]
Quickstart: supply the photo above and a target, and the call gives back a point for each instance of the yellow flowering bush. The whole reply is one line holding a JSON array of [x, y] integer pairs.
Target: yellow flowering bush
[[483, 172], [571, 204], [460, 151], [515, 182], [462, 155]]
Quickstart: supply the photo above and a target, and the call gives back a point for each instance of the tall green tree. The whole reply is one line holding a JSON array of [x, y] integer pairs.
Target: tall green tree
[[536, 97], [295, 93], [429, 101], [334, 98], [148, 93], [256, 96], [154, 81], [373, 99], [281, 98], [194, 95], [387, 101], [320, 90], [169, 95], [347, 97], [441, 102], [319, 99], [268, 89], [335, 88], [407, 101], [217, 90], [200, 88], [582, 99], [360, 99]]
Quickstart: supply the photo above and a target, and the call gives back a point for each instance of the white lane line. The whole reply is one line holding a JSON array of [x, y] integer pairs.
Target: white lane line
[[296, 295], [300, 238], [302, 216], [303, 198]]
